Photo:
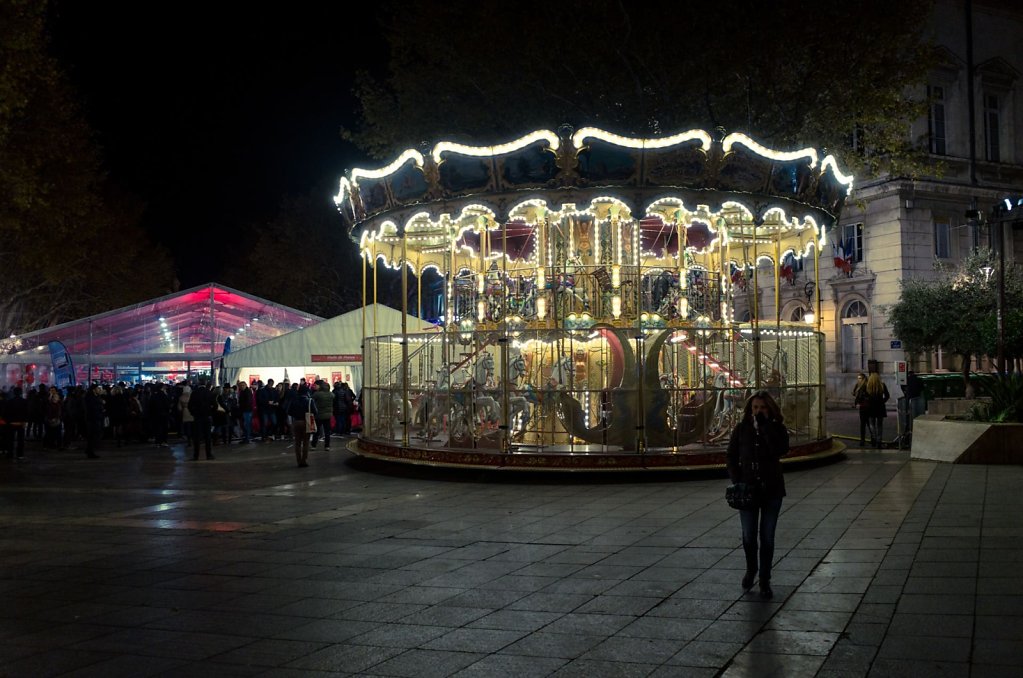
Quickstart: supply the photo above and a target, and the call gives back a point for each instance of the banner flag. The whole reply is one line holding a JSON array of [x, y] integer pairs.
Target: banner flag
[[63, 369]]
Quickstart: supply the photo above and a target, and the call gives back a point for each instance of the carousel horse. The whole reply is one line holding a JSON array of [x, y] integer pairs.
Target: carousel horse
[[482, 377], [724, 403], [562, 373], [519, 411]]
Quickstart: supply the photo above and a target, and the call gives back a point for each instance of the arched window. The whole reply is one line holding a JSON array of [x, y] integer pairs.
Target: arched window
[[798, 313], [854, 337]]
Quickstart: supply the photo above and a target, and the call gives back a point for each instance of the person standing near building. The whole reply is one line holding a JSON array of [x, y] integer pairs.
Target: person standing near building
[[266, 398], [187, 420], [201, 406], [755, 450], [324, 401], [16, 416], [877, 395], [345, 400], [245, 411], [158, 412], [298, 405]]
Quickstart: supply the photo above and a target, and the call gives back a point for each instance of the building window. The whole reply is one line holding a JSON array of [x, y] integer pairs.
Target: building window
[[941, 240], [991, 128], [798, 314], [852, 242], [936, 119], [854, 337]]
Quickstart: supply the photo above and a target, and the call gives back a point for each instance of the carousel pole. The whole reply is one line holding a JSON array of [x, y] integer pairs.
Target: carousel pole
[[758, 220], [419, 287], [363, 257], [640, 342], [375, 287], [404, 339], [506, 435], [777, 312], [821, 392], [777, 281]]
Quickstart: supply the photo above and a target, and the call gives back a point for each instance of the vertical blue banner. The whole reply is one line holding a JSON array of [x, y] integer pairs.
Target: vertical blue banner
[[63, 369]]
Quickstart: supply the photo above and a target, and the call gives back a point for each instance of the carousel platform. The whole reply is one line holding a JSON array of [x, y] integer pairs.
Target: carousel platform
[[579, 458]]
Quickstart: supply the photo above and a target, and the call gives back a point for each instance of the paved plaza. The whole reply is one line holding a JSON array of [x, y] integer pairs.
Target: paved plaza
[[145, 563]]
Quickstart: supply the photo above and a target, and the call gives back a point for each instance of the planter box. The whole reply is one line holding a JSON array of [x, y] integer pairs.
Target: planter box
[[966, 442]]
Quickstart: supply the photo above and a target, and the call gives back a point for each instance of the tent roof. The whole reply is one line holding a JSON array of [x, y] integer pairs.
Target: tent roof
[[195, 321], [341, 335]]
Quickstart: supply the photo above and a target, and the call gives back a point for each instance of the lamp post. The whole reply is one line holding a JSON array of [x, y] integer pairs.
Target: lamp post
[[1008, 209], [809, 317]]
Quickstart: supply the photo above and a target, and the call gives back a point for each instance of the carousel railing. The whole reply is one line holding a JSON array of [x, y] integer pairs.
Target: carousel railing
[[601, 389]]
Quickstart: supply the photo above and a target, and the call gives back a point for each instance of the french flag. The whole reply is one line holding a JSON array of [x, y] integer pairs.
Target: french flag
[[843, 256]]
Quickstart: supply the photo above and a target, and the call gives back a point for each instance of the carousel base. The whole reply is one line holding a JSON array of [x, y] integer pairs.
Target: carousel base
[[584, 458]]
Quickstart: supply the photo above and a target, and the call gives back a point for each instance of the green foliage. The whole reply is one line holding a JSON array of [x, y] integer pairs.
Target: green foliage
[[71, 245], [956, 310], [789, 73], [1006, 392]]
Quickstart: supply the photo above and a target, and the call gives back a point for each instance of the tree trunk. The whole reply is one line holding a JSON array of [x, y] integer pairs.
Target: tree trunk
[[966, 376]]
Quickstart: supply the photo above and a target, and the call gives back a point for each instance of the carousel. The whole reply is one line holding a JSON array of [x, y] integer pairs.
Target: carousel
[[607, 303]]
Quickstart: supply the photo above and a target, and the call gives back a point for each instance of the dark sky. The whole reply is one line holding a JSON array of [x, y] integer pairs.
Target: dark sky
[[212, 112]]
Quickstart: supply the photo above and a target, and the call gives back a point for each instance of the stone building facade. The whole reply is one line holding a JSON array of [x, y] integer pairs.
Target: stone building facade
[[898, 228]]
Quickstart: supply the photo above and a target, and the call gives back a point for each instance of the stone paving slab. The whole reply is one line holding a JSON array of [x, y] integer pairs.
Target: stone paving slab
[[144, 563]]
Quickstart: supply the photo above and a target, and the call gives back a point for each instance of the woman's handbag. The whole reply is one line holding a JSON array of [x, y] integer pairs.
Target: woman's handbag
[[743, 496], [310, 418]]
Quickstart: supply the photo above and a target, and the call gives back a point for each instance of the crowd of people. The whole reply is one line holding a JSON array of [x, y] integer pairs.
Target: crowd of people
[[82, 417]]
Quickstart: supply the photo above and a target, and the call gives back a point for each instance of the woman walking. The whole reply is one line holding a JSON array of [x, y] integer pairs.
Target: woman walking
[[877, 396], [755, 449]]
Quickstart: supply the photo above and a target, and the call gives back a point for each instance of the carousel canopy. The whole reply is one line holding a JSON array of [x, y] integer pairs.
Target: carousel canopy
[[459, 200]]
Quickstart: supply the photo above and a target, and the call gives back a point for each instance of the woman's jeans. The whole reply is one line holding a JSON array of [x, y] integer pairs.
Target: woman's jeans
[[767, 517]]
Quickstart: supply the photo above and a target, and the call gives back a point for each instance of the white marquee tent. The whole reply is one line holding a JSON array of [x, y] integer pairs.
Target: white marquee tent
[[330, 350]]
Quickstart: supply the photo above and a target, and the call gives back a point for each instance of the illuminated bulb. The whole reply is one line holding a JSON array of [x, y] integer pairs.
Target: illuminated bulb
[[481, 310], [616, 306], [541, 308], [724, 311], [616, 276], [541, 278]]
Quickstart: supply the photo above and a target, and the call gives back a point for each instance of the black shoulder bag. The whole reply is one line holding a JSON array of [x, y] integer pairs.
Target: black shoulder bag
[[746, 496]]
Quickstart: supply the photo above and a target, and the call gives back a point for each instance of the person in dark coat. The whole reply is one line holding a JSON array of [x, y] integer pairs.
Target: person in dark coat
[[324, 400], [877, 395], [755, 450], [16, 415], [201, 406], [245, 407], [159, 413], [298, 405], [95, 411]]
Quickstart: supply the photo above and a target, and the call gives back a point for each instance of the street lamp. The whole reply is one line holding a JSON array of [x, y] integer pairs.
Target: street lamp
[[1008, 209], [809, 289]]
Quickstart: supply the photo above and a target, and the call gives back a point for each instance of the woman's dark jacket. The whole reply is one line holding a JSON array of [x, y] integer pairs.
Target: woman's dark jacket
[[298, 405], [876, 407], [767, 447]]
